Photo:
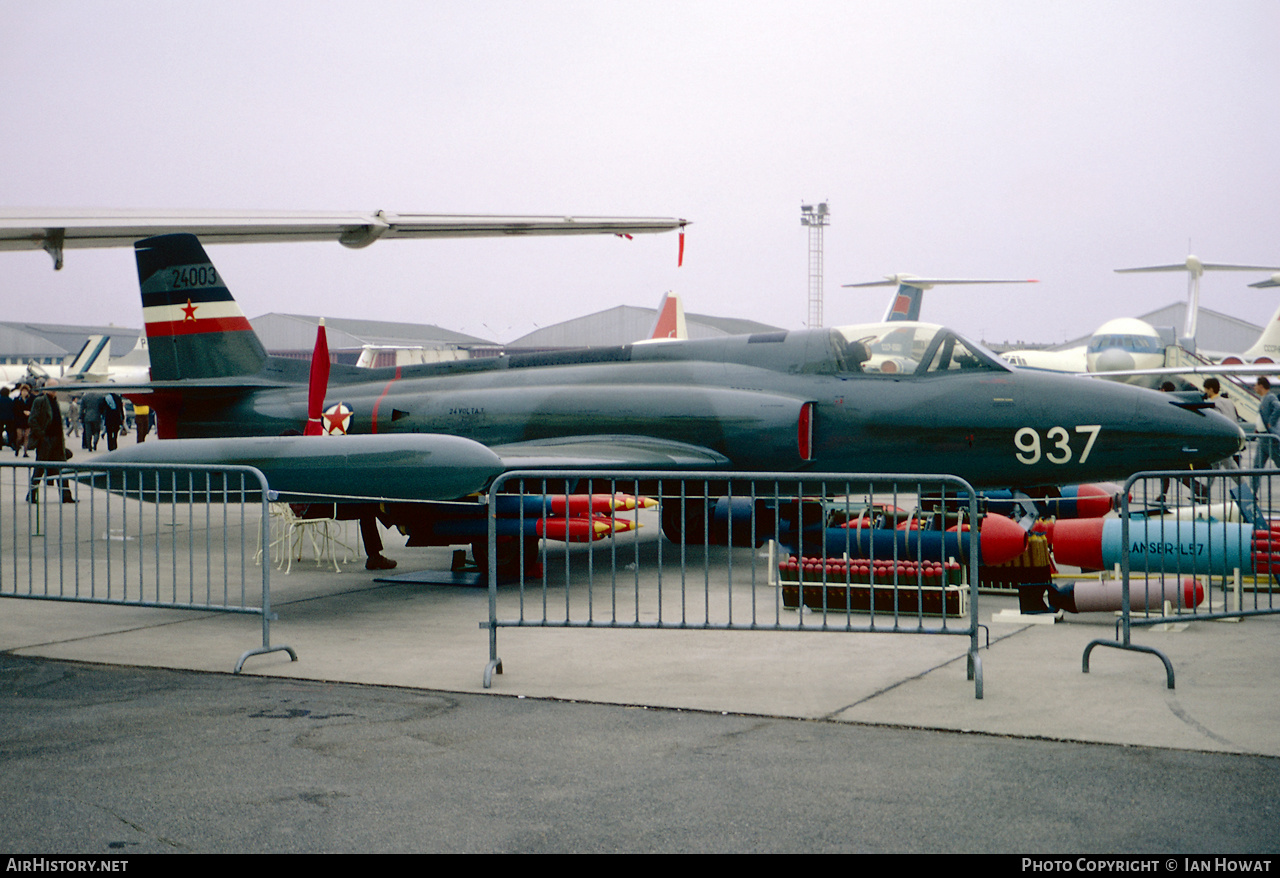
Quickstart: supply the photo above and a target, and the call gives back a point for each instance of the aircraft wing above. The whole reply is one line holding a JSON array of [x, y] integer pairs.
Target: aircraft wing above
[[911, 280], [1195, 265], [1201, 369], [56, 230], [608, 452]]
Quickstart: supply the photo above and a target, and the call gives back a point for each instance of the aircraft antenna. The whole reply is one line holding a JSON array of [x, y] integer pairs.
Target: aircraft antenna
[[816, 217]]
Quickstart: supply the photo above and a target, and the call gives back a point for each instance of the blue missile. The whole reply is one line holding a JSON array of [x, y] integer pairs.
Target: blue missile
[[999, 540]]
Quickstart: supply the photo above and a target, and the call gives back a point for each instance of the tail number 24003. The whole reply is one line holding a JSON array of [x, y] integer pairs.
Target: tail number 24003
[[1058, 441]]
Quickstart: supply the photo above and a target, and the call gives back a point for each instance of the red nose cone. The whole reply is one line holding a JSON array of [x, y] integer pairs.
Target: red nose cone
[[1094, 501], [1192, 592], [1078, 542], [1001, 539]]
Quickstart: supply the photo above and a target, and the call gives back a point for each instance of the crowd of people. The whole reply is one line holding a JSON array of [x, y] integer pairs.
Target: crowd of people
[[34, 419], [90, 415]]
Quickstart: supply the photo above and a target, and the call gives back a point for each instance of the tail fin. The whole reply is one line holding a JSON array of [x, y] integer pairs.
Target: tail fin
[[670, 320], [194, 328], [1267, 347], [137, 356], [92, 358], [905, 304]]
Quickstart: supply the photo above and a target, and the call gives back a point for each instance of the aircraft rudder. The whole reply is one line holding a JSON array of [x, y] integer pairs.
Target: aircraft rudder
[[1268, 343], [905, 304], [669, 322], [195, 328]]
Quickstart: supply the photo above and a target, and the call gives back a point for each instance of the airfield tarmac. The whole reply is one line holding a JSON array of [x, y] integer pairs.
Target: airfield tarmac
[[124, 731]]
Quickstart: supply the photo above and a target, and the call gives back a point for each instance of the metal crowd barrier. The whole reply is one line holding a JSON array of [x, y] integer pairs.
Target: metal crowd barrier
[[1193, 545], [717, 551], [169, 536]]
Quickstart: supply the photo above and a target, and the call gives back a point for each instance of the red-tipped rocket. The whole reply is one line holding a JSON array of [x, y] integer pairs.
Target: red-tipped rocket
[[1106, 595], [582, 529], [1070, 501], [1091, 500], [573, 530], [1164, 545], [570, 505], [1000, 539], [1077, 542]]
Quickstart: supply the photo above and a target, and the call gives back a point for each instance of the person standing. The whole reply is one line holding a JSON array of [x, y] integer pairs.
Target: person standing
[[6, 419], [142, 420], [91, 417], [112, 409], [1268, 446], [21, 417], [1227, 408], [72, 417], [49, 439]]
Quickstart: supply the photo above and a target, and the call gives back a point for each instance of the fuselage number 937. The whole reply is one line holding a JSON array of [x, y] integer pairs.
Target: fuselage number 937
[[1056, 445]]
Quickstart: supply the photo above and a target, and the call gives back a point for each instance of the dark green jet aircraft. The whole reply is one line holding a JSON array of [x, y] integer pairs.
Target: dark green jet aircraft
[[896, 397]]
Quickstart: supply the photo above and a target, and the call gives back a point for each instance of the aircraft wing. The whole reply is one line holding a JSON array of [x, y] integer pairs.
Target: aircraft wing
[[418, 466], [195, 386], [413, 466], [926, 282], [57, 230], [1192, 264], [906, 304], [1201, 369], [608, 452]]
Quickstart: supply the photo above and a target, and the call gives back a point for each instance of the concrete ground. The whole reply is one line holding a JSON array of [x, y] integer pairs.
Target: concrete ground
[[347, 628]]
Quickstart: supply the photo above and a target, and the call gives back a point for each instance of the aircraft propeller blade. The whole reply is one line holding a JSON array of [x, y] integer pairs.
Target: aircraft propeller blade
[[318, 383]]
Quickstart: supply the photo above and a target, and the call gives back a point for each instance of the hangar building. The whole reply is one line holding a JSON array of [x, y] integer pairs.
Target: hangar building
[[48, 344], [294, 335], [626, 324]]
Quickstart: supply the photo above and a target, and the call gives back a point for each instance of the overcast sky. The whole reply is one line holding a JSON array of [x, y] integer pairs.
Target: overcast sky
[[1054, 140]]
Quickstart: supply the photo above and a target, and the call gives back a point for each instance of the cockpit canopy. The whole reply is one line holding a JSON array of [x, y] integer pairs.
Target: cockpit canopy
[[1138, 344], [902, 348]]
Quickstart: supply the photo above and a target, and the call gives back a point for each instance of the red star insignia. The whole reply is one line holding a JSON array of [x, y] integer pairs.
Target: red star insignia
[[189, 310], [334, 419]]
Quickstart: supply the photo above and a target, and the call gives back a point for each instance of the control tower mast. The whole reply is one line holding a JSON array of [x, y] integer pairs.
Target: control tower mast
[[816, 218]]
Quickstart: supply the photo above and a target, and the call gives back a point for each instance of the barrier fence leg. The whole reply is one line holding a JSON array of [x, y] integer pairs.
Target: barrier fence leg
[[1134, 647]]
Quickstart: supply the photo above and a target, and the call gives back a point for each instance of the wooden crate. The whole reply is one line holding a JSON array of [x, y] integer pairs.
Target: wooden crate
[[950, 600]]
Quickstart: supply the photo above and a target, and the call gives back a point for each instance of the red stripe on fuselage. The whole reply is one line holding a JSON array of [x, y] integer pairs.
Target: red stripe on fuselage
[[385, 391], [161, 328]]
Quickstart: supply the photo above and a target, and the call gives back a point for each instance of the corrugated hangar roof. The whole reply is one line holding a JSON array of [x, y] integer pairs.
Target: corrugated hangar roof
[[626, 324], [1215, 331], [297, 332], [40, 340]]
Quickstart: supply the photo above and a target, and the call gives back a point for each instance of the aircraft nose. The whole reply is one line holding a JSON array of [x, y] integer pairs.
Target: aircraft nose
[[1166, 435], [1114, 360], [1216, 439]]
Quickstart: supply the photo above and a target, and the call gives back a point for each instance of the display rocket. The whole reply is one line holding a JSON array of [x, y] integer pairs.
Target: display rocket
[[1161, 545], [999, 540]]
